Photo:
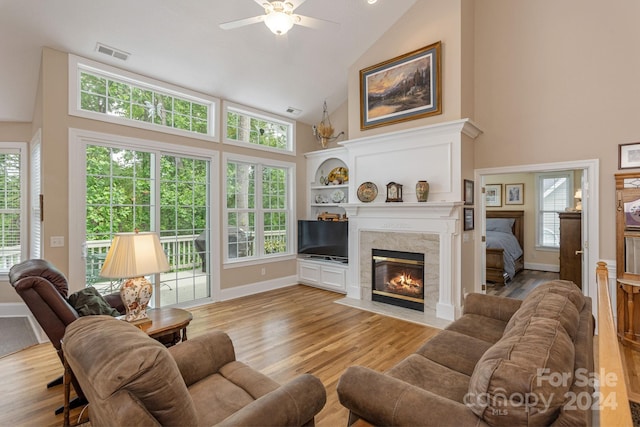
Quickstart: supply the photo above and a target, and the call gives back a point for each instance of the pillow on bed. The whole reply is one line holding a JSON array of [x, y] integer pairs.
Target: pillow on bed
[[504, 225]]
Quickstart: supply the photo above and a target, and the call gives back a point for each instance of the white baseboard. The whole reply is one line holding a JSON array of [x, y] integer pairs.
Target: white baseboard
[[542, 267], [255, 288]]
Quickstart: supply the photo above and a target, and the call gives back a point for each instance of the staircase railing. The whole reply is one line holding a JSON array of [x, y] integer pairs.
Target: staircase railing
[[614, 400]]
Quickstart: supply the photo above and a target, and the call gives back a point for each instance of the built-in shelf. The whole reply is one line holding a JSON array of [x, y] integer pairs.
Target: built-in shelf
[[325, 198], [329, 187]]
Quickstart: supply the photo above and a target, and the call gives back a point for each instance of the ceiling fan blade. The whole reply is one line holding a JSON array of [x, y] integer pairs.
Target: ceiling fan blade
[[307, 21], [241, 22], [296, 3], [261, 2]]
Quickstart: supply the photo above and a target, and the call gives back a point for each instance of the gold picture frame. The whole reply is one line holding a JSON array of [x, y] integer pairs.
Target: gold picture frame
[[406, 87], [493, 195], [514, 194]]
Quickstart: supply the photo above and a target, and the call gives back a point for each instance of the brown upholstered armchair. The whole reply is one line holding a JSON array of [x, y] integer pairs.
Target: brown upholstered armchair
[[44, 290], [131, 379]]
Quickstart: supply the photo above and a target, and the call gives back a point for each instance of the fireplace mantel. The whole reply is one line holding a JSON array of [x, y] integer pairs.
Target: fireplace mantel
[[402, 209]]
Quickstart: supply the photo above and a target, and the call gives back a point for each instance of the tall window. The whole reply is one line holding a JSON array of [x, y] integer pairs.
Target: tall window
[[105, 93], [555, 194], [247, 126], [258, 209], [13, 240]]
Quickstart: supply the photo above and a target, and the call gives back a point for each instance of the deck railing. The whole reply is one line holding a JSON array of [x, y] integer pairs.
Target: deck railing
[[9, 256], [180, 250]]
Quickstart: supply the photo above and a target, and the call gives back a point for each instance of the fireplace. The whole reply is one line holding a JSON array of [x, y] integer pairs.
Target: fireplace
[[398, 278]]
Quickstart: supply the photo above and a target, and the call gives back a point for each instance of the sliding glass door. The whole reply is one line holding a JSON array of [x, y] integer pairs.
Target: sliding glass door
[[133, 189]]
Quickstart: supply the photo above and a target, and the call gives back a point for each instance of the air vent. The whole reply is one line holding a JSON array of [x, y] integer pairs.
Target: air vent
[[293, 111], [110, 51]]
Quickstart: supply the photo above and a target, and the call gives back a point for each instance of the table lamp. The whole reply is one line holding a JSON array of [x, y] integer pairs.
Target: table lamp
[[131, 257]]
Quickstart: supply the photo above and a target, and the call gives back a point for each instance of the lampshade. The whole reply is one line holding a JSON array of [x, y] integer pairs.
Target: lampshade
[[279, 22], [578, 194], [134, 255]]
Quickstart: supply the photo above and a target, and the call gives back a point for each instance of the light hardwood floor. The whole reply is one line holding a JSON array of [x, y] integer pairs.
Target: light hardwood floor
[[281, 333], [523, 283]]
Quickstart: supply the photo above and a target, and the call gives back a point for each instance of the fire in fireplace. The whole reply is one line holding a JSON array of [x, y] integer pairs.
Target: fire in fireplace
[[398, 278]]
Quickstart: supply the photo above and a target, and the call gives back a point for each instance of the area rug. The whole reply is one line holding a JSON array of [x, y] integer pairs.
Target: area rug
[[17, 335], [635, 413]]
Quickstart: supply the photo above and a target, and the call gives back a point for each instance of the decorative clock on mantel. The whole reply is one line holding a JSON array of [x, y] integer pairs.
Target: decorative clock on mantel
[[394, 192]]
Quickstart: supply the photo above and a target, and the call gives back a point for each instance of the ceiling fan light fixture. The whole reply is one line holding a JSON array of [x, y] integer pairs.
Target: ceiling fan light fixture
[[279, 22]]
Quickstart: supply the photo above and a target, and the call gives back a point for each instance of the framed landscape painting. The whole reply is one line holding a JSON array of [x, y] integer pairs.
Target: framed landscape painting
[[404, 88]]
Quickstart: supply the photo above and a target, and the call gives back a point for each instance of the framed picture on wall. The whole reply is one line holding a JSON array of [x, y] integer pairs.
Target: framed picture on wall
[[493, 195], [629, 155], [403, 88], [468, 192], [468, 219], [514, 194]]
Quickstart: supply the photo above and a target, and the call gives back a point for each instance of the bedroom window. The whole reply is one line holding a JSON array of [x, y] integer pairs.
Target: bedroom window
[[246, 126], [108, 94], [258, 209], [555, 194]]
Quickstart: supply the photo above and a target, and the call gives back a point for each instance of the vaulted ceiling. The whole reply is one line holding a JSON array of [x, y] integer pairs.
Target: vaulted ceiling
[[180, 42]]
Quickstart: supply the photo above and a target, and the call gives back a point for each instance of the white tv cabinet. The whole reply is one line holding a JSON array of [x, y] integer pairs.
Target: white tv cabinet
[[330, 275]]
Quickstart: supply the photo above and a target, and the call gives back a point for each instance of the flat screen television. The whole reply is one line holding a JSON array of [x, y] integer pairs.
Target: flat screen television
[[324, 239]]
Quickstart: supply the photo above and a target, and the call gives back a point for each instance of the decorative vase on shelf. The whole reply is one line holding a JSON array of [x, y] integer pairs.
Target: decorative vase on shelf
[[422, 191]]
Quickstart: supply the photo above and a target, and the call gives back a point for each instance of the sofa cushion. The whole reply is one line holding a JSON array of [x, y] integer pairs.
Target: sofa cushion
[[229, 398], [431, 376], [552, 300], [561, 287], [454, 350], [478, 326], [513, 377]]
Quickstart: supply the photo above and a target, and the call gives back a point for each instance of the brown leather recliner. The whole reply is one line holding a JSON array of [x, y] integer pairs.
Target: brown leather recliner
[[44, 290], [131, 379]]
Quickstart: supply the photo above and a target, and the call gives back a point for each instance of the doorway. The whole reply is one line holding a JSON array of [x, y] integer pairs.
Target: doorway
[[590, 222]]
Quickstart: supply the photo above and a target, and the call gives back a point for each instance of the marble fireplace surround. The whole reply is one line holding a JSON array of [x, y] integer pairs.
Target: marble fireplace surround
[[427, 228]]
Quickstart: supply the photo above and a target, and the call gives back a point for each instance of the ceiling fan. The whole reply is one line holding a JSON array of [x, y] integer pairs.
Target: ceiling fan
[[279, 17]]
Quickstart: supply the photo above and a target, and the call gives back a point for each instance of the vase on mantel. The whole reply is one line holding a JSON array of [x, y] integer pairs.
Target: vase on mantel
[[422, 191]]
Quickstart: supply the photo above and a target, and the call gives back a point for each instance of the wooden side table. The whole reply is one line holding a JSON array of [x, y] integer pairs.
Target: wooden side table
[[168, 325]]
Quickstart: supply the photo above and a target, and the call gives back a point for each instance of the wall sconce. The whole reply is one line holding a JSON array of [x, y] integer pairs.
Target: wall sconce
[[324, 130]]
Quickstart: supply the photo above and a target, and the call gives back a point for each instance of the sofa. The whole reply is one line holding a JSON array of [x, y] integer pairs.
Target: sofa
[[131, 379], [504, 362]]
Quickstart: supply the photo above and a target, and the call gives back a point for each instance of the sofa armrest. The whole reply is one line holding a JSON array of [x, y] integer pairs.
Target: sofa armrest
[[492, 306], [292, 404], [199, 357], [115, 300], [383, 400]]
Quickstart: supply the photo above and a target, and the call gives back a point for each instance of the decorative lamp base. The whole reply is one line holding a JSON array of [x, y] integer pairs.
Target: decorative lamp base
[[136, 293]]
